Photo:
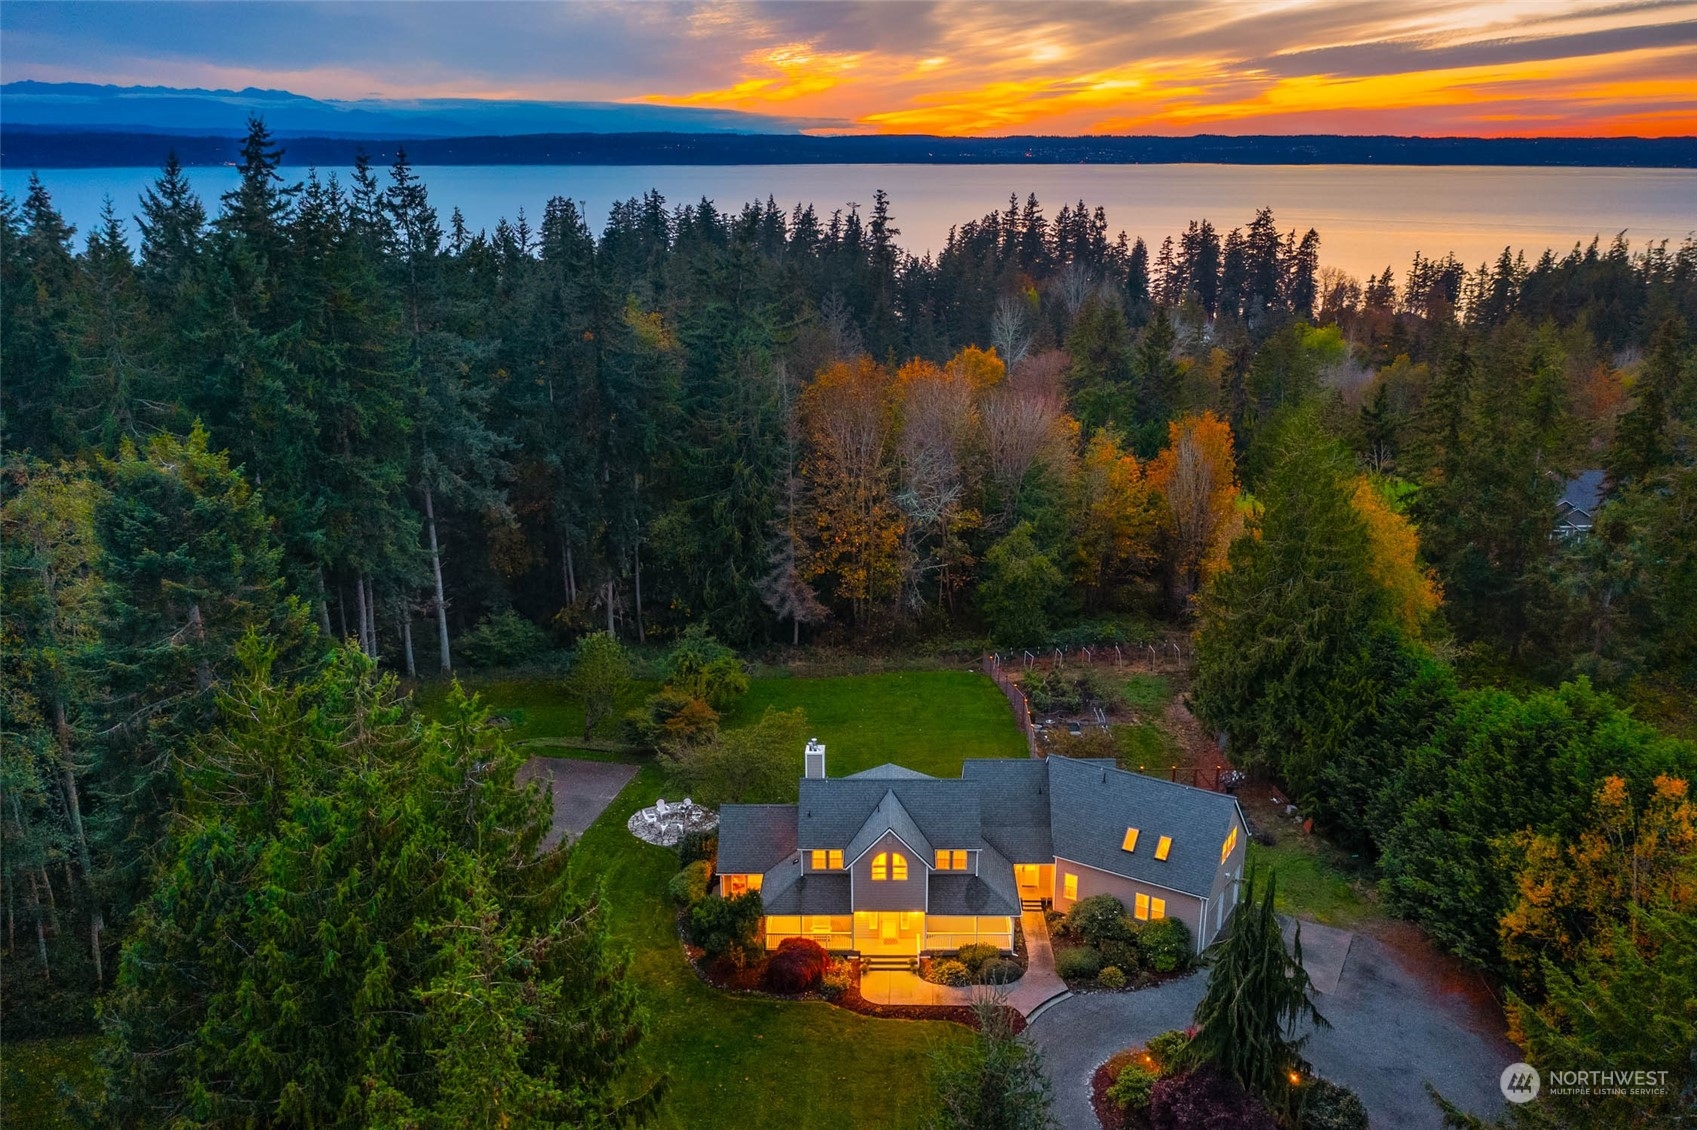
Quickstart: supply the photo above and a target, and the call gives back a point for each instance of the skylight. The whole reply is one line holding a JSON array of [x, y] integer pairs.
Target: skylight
[[1130, 841], [1162, 848]]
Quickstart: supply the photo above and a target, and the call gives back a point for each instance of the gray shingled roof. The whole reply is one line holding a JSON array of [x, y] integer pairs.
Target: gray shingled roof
[[834, 809], [889, 771], [755, 837], [889, 816], [798, 893], [1013, 802], [1583, 492], [968, 894], [1091, 806]]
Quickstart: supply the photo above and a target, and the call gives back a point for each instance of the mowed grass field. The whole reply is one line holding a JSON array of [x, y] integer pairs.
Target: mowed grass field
[[925, 720]]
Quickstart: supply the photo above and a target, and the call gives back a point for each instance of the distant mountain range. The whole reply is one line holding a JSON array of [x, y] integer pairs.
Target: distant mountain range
[[223, 113], [70, 125]]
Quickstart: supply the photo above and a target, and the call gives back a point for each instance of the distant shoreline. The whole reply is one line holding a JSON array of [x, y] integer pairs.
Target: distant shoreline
[[37, 147]]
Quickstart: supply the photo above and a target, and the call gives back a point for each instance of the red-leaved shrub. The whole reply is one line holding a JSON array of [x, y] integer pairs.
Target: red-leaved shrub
[[797, 966], [1205, 1100]]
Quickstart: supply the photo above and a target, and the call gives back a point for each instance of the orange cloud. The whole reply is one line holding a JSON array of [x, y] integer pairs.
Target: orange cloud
[[1435, 70]]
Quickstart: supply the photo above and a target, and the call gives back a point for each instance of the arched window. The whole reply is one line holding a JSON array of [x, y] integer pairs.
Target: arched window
[[889, 865]]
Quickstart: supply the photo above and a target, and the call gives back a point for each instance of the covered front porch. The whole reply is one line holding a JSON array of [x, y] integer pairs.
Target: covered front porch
[[892, 933]]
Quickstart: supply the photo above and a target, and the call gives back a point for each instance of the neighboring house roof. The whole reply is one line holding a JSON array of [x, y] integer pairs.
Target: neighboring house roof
[[1581, 496], [834, 809], [887, 772], [888, 817], [753, 838], [1013, 802], [1092, 805]]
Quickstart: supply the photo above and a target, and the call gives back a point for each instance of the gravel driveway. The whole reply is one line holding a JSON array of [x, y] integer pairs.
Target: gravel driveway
[[1393, 1029]]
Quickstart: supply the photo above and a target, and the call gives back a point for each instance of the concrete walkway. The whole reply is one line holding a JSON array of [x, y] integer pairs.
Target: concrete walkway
[[1041, 984], [581, 791], [888, 987], [1394, 1028]]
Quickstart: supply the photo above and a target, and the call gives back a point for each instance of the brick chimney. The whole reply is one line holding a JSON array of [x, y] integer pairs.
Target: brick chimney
[[813, 758]]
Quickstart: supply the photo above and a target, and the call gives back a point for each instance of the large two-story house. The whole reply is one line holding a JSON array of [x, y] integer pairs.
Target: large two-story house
[[893, 862]]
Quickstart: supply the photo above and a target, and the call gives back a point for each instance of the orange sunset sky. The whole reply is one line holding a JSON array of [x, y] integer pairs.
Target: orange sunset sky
[[1538, 67]]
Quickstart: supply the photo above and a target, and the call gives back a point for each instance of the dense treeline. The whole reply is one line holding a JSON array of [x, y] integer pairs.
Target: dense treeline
[[323, 412]]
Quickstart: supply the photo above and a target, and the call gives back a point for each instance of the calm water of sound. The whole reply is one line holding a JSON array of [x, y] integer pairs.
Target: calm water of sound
[[1368, 216]]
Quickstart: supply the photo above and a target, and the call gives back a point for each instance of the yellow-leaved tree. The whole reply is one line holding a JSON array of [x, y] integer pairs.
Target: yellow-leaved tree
[[1412, 588], [1195, 475], [848, 420]]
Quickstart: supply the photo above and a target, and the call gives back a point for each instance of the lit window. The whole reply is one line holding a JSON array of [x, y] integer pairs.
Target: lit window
[[742, 884], [1130, 841], [824, 860], [1157, 908], [892, 865], [1071, 886], [1231, 842], [1162, 848], [951, 860], [818, 859], [836, 861], [1142, 910], [960, 861]]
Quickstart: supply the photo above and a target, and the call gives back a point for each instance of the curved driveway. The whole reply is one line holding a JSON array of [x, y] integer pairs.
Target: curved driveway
[[1393, 1030]]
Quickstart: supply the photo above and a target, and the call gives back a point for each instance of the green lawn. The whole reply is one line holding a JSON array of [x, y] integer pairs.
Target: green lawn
[[540, 708], [741, 1062], [29, 1075], [925, 720], [1310, 886]]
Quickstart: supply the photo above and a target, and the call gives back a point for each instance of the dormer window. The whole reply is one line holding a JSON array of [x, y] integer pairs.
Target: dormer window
[[825, 860], [951, 860], [1130, 841], [1162, 848], [1231, 842], [889, 865]]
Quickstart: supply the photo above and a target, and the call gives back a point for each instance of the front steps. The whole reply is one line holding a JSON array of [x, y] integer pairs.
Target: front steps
[[1030, 904], [888, 963]]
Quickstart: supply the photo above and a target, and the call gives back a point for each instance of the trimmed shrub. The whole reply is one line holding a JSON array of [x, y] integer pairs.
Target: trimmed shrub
[[1165, 945], [1078, 964], [1099, 919], [949, 972], [505, 639], [696, 845], [1002, 971], [1164, 1049], [726, 926], [797, 967], [837, 980], [689, 886], [1122, 954], [1205, 1100], [1131, 1089], [1331, 1106], [1111, 978], [974, 956]]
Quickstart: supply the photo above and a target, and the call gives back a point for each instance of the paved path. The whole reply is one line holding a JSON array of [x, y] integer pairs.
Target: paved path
[[1041, 983], [582, 790], [1393, 1029]]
